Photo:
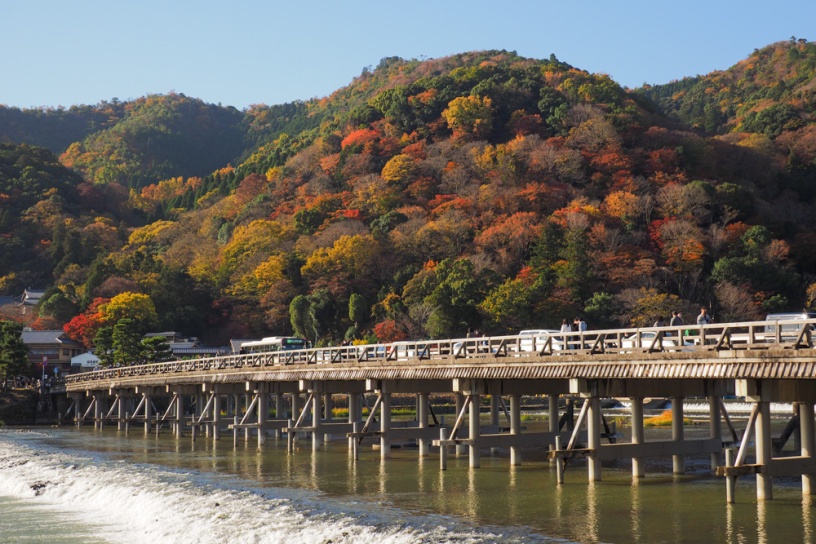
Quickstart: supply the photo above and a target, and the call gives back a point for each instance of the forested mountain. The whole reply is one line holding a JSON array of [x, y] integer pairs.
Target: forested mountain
[[428, 197]]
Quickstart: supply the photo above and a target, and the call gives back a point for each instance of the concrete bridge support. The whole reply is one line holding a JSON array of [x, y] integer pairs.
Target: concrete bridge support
[[594, 439], [715, 426], [385, 423], [678, 463], [317, 414], [638, 437], [355, 415], [263, 414], [808, 446], [422, 422], [515, 427], [460, 403]]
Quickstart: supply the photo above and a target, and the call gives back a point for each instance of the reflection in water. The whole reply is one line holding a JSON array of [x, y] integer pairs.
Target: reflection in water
[[729, 523], [761, 523], [512, 495], [592, 512], [472, 495], [383, 477], [634, 509], [807, 504]]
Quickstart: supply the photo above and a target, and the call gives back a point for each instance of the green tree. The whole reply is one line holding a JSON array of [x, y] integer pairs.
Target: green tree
[[103, 345], [456, 298], [155, 349], [13, 352], [58, 306], [299, 317], [126, 342]]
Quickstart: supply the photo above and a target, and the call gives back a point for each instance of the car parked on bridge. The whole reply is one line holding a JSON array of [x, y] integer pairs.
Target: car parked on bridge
[[647, 340], [789, 329], [535, 339]]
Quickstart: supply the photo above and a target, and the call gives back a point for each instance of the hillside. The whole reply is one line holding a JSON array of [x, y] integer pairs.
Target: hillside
[[482, 190]]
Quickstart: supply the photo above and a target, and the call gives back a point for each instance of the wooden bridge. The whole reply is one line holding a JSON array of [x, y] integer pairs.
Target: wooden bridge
[[760, 361]]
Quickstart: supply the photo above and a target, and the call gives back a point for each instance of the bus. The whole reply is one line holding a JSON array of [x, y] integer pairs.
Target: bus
[[274, 343]]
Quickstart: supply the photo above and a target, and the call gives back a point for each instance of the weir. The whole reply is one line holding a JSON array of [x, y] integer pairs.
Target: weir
[[236, 393]]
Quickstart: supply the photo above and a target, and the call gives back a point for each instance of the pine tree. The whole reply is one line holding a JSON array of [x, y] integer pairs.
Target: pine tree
[[13, 352]]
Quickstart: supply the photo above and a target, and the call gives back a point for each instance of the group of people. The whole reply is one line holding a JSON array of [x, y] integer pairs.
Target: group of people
[[677, 319], [578, 325], [17, 382]]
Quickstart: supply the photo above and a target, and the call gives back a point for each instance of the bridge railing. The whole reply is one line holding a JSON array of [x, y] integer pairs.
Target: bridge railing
[[762, 335]]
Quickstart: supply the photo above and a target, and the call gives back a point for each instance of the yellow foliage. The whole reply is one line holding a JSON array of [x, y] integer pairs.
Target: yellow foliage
[[664, 420], [260, 236], [149, 233], [128, 305], [269, 272], [398, 169], [353, 255]]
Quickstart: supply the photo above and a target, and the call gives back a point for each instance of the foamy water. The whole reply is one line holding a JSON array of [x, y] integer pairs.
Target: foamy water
[[118, 501]]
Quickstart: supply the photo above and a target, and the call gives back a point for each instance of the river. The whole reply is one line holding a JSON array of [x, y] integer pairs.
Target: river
[[71, 485]]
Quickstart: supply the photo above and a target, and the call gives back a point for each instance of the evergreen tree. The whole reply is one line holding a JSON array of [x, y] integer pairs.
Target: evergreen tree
[[13, 353], [127, 345], [103, 345], [155, 349]]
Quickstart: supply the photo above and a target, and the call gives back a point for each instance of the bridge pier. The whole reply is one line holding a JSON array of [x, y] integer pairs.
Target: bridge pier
[[280, 412], [594, 438], [515, 427], [317, 413], [552, 419], [808, 445], [678, 463], [423, 443], [715, 428], [97, 400], [473, 429], [385, 422], [638, 436], [355, 418]]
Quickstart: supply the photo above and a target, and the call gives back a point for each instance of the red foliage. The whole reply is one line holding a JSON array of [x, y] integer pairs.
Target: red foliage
[[83, 327], [654, 231], [389, 331], [360, 137], [416, 150]]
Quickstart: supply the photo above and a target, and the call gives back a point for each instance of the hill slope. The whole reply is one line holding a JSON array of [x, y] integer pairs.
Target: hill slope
[[426, 198]]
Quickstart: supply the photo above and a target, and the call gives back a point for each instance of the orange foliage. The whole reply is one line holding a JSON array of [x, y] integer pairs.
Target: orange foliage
[[360, 137]]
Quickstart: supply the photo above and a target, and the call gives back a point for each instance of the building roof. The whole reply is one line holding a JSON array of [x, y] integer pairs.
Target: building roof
[[48, 337], [86, 359], [32, 297]]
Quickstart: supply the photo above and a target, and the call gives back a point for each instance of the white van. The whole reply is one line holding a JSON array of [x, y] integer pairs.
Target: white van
[[534, 339], [788, 330]]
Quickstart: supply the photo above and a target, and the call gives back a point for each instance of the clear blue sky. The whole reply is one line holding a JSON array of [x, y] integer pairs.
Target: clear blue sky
[[242, 52]]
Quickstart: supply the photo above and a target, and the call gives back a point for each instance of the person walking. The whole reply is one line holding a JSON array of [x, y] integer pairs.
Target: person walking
[[581, 326], [659, 322], [566, 328], [676, 319], [704, 318]]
